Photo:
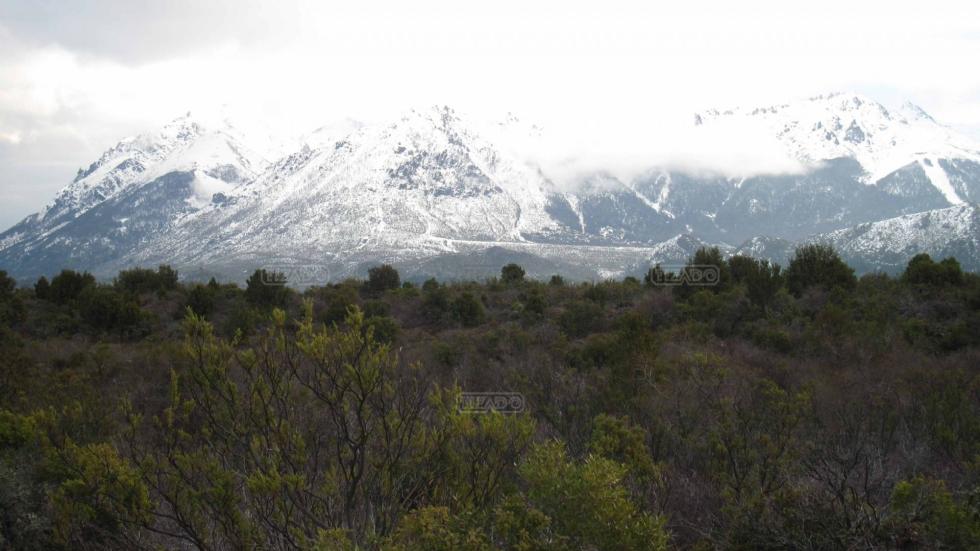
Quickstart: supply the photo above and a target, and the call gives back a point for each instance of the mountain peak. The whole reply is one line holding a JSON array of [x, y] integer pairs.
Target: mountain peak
[[914, 112]]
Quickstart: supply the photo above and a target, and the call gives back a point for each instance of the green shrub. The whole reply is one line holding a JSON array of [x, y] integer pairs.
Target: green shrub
[[818, 265], [580, 318], [511, 274], [267, 289], [66, 286], [468, 310], [921, 270], [382, 278]]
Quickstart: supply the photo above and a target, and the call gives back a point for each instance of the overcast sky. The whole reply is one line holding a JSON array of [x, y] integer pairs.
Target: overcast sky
[[76, 76]]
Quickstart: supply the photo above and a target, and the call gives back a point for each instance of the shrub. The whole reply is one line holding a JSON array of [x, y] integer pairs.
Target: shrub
[[534, 302], [511, 274], [385, 329], [105, 309], [376, 308], [266, 289], [42, 289], [11, 306], [143, 280], [200, 300], [66, 286], [818, 265], [762, 280], [435, 301], [336, 301], [468, 310], [580, 318], [381, 278], [921, 270]]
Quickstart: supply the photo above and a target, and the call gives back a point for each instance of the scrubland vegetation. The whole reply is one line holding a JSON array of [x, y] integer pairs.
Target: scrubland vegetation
[[797, 408]]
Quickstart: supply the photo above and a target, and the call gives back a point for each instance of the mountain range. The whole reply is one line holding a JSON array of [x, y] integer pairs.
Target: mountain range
[[438, 194]]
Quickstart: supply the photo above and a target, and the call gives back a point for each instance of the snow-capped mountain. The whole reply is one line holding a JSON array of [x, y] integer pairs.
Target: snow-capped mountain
[[882, 141], [887, 245], [433, 190], [138, 190]]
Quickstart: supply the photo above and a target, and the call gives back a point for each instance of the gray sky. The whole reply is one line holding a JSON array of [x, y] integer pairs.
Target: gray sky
[[77, 76]]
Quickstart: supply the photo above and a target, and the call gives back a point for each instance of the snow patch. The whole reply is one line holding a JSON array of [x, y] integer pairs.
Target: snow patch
[[940, 180]]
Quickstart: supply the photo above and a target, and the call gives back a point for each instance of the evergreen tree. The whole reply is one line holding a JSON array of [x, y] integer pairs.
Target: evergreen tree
[[818, 265], [511, 274]]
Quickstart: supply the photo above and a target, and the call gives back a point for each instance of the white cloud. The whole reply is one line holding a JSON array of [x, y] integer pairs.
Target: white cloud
[[613, 76]]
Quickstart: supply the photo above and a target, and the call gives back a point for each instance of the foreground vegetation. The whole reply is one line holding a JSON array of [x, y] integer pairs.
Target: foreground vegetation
[[777, 409]]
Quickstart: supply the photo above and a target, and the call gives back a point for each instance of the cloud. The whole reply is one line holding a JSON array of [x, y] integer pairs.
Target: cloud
[[570, 154], [617, 81]]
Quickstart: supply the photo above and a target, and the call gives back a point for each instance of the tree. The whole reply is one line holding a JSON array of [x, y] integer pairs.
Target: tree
[[512, 274], [922, 270], [7, 286], [535, 302], [200, 300], [11, 306], [656, 276], [42, 289], [762, 279], [382, 278], [816, 265], [468, 310], [587, 502], [66, 286], [580, 318], [266, 289], [924, 515], [106, 310], [311, 429], [143, 280], [435, 301]]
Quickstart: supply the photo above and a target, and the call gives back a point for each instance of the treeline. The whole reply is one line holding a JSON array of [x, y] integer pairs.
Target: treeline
[[734, 404]]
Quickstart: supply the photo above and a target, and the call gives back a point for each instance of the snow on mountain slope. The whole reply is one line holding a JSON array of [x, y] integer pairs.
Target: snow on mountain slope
[[182, 145], [425, 178], [850, 125], [436, 184], [889, 244], [138, 190]]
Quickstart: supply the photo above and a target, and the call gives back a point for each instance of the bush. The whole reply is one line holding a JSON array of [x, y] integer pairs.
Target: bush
[[762, 280], [376, 308], [42, 289], [535, 302], [921, 270], [336, 301], [66, 286], [385, 329], [818, 265], [580, 318], [435, 301], [142, 280], [511, 274], [200, 300], [468, 310], [267, 289], [924, 515], [7, 286], [11, 306], [381, 278], [105, 309]]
